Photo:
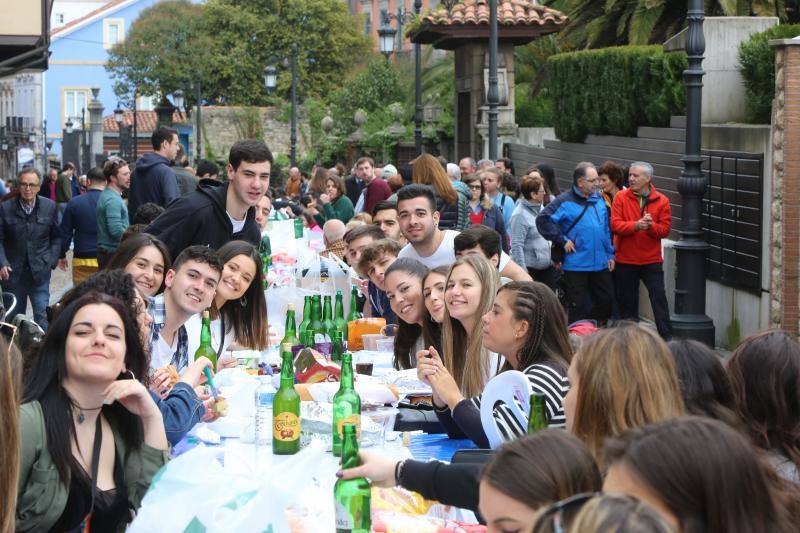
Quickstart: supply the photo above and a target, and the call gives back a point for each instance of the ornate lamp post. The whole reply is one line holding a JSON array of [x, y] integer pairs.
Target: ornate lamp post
[[690, 319], [493, 94]]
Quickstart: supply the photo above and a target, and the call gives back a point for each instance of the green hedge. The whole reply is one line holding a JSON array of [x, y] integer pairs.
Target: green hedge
[[757, 65], [612, 91]]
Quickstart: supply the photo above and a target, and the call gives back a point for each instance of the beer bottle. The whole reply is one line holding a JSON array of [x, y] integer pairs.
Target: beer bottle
[[298, 228], [352, 496], [265, 252], [337, 347], [322, 341], [289, 336], [354, 312], [205, 348], [301, 329], [339, 322], [286, 409], [327, 316], [308, 341], [537, 418], [346, 404]]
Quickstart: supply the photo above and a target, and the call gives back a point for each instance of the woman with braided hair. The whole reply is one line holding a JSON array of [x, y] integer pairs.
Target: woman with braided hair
[[527, 325]]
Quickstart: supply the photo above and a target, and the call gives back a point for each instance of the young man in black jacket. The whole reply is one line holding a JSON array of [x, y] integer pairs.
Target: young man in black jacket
[[218, 213], [153, 179]]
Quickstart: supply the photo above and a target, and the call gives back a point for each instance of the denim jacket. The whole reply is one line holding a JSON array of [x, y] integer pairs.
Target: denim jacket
[[181, 410]]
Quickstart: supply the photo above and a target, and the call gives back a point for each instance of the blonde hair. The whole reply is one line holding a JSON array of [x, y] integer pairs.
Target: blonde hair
[[626, 379], [464, 355], [10, 377], [427, 170], [366, 218]]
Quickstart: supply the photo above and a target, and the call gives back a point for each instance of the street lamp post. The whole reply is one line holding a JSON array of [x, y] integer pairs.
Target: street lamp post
[[86, 157], [45, 148], [690, 319], [493, 95], [293, 135]]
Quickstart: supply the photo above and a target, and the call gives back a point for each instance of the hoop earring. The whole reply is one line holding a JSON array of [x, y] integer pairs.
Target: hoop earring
[[129, 371], [243, 301]]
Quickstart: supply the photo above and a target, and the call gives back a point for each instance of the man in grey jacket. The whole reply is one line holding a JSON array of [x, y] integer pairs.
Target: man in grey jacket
[[528, 248]]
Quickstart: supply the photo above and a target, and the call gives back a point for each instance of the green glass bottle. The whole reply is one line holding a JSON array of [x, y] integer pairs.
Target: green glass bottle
[[290, 337], [298, 228], [327, 315], [346, 404], [352, 496], [205, 348], [322, 341], [337, 347], [339, 322], [265, 252], [354, 312], [308, 341], [286, 410], [537, 419], [301, 329]]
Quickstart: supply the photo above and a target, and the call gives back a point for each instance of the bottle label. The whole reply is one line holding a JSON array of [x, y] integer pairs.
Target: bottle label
[[354, 419], [286, 427], [343, 518], [353, 512]]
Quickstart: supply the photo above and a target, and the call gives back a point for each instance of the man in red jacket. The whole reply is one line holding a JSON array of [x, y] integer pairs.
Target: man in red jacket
[[640, 218]]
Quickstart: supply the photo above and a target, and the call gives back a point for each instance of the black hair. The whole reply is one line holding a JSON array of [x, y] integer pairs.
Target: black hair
[[44, 383], [383, 206], [161, 135], [147, 213], [414, 190], [249, 150], [247, 317], [407, 334], [487, 239], [549, 176], [96, 175], [207, 167], [200, 254]]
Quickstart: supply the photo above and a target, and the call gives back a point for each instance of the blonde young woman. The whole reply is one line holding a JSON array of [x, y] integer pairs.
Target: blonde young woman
[[620, 378]]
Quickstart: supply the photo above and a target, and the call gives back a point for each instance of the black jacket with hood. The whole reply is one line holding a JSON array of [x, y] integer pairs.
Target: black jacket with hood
[[153, 180], [200, 218]]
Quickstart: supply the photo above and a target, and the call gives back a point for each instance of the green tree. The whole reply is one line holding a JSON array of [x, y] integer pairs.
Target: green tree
[[165, 49]]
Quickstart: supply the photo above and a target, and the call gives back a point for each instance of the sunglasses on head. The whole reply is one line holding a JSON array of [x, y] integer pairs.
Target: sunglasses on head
[[559, 514]]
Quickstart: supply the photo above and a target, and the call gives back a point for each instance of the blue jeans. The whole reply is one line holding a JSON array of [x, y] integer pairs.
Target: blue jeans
[[39, 294]]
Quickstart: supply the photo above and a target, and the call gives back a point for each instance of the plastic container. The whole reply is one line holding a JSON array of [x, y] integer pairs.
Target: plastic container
[[264, 396]]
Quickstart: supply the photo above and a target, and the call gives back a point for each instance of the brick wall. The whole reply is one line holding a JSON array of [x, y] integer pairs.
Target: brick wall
[[785, 286]]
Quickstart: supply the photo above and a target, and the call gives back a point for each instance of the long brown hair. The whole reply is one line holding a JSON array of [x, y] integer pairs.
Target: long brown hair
[[547, 338], [247, 317], [708, 475], [626, 379], [427, 170], [485, 202], [319, 182], [10, 377], [464, 355], [765, 375], [542, 468]]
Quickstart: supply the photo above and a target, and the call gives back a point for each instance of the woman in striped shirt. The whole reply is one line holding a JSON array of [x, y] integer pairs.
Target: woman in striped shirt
[[526, 324]]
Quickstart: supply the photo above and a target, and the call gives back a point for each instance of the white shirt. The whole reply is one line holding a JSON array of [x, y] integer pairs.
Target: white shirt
[[237, 224], [193, 327], [444, 254], [162, 352]]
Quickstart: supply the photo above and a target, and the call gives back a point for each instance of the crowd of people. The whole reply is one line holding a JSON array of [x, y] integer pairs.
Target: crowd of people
[[483, 273]]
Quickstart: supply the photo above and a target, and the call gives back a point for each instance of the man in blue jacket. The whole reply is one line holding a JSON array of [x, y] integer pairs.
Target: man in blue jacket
[[153, 179], [80, 223], [577, 220]]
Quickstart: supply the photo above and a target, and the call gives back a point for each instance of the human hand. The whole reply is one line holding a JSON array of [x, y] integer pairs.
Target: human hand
[[363, 285], [62, 264], [226, 362], [5, 272], [133, 396], [378, 469], [211, 414], [324, 198], [193, 375], [569, 246], [160, 384], [426, 363], [611, 265]]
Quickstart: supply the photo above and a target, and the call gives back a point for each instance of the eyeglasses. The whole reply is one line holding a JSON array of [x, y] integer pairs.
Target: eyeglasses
[[561, 513], [474, 187], [28, 185]]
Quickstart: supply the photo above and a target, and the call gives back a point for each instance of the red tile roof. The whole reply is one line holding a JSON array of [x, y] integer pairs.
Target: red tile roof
[[509, 13], [145, 120], [70, 24]]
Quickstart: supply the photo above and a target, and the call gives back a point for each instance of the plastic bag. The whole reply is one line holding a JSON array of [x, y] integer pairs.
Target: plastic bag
[[198, 493]]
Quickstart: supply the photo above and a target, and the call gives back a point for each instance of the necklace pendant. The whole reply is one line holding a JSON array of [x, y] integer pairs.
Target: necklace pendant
[[81, 416]]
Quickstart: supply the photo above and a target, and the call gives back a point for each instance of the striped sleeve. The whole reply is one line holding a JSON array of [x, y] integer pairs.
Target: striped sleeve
[[549, 380]]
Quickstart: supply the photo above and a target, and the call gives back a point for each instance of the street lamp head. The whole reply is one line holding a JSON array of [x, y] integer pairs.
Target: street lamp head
[[69, 125], [4, 146], [118, 114], [178, 99], [270, 78], [386, 36], [32, 137]]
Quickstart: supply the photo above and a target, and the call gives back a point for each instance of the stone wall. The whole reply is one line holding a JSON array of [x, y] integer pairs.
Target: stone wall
[[223, 126], [785, 239]]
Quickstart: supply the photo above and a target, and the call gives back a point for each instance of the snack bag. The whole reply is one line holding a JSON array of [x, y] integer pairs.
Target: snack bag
[[312, 367]]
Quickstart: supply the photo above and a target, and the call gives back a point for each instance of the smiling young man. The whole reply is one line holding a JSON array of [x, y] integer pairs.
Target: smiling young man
[[190, 287], [419, 222], [374, 260], [219, 213]]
